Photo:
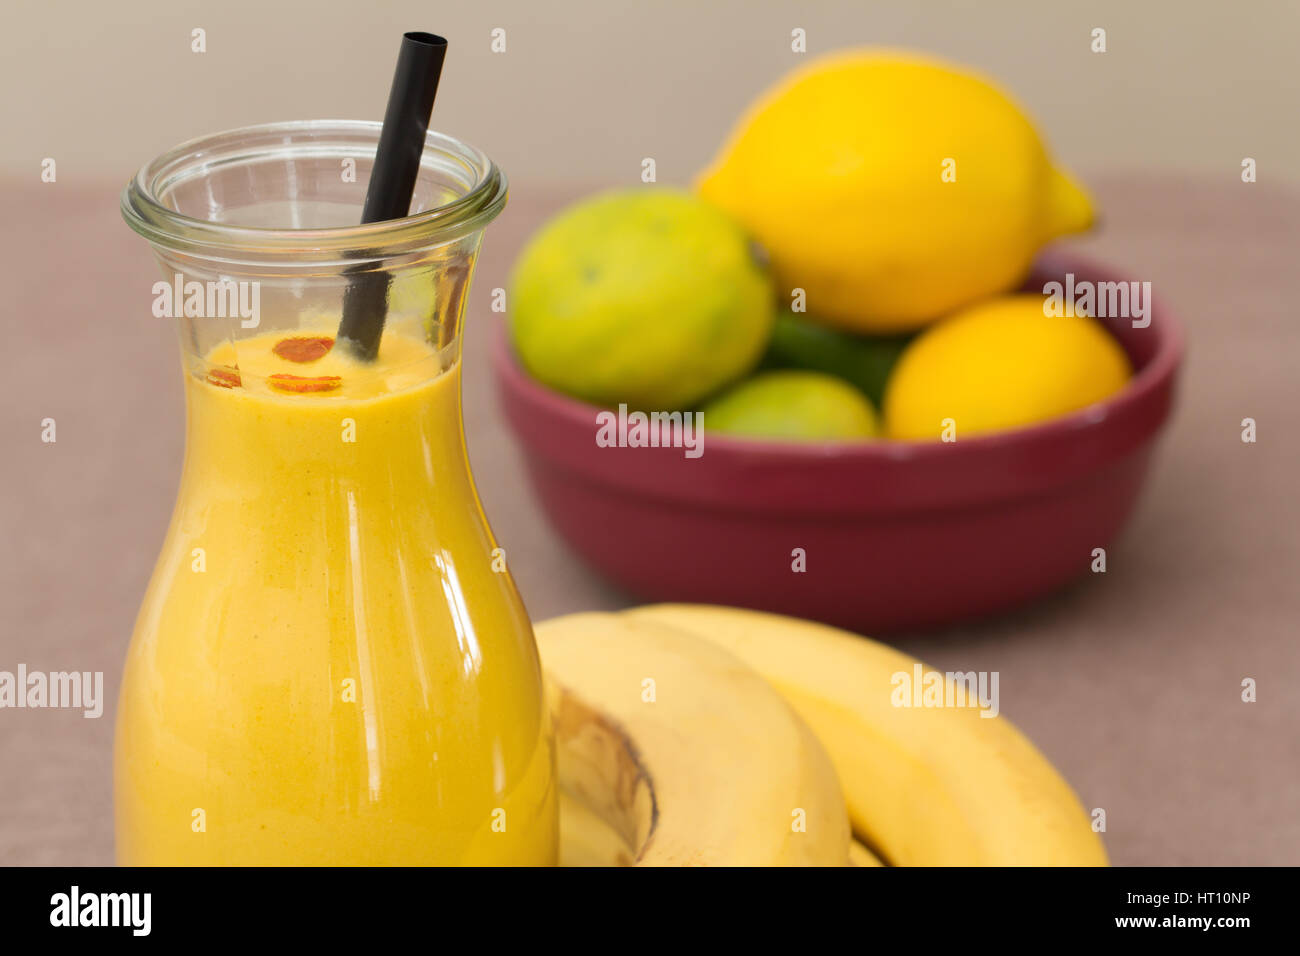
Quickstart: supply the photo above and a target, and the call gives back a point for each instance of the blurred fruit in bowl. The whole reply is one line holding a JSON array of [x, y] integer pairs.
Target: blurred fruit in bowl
[[893, 188], [998, 366], [878, 536], [920, 446], [862, 361], [649, 297], [794, 405]]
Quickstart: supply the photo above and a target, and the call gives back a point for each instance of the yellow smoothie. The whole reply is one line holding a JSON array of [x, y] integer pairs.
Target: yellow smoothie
[[331, 665]]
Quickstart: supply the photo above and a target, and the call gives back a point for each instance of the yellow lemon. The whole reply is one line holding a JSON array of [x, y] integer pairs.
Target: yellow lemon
[[999, 365], [792, 405], [893, 188]]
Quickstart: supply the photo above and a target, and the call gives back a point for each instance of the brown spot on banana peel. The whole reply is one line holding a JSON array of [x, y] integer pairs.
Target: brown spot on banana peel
[[624, 794]]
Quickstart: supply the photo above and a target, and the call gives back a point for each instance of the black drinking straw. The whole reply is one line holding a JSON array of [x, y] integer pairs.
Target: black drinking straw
[[392, 180]]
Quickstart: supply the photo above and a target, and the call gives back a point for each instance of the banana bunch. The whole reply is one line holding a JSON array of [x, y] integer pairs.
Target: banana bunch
[[690, 735]]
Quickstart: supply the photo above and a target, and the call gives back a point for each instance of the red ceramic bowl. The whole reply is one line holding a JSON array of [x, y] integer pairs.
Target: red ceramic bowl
[[897, 535]]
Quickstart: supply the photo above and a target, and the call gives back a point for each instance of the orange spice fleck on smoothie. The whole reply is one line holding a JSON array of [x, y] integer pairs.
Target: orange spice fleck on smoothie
[[303, 348], [225, 376], [284, 382]]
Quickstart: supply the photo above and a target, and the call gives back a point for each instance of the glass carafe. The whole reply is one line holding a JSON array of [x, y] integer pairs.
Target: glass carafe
[[331, 664]]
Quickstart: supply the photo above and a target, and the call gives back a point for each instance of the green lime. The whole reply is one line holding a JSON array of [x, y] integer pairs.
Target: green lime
[[647, 296], [803, 406], [863, 361]]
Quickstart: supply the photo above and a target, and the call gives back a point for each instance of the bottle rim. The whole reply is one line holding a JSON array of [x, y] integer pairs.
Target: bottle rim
[[146, 212]]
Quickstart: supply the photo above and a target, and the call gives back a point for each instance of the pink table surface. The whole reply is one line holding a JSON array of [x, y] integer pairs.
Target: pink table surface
[[1130, 682]]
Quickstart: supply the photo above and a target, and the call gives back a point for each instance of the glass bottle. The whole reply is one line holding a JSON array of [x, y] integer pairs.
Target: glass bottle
[[332, 664]]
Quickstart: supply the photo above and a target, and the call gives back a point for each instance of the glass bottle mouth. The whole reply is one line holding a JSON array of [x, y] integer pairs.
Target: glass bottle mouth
[[203, 198]]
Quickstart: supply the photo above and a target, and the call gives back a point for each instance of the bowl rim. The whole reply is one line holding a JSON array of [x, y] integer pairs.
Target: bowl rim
[[1155, 374]]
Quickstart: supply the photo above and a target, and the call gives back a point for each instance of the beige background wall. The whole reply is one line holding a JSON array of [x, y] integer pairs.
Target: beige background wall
[[588, 87]]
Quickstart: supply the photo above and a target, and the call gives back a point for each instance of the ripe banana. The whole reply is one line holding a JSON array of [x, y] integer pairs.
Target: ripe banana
[[859, 855], [686, 754], [586, 839], [924, 786]]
